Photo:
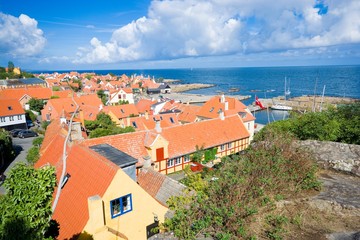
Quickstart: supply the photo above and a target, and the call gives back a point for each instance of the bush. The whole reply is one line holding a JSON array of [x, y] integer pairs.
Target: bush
[[246, 186]]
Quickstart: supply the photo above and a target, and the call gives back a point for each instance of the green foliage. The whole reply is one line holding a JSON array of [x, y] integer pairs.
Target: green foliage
[[33, 155], [7, 152], [54, 97], [26, 207], [56, 88], [38, 141], [123, 102], [30, 115], [88, 76], [209, 155], [104, 126], [340, 125], [36, 104], [198, 155], [45, 124], [101, 94], [276, 223], [247, 186]]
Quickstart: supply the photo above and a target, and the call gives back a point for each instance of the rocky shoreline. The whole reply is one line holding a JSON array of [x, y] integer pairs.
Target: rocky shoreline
[[177, 88]]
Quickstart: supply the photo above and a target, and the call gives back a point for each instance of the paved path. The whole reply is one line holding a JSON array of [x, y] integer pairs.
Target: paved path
[[21, 147]]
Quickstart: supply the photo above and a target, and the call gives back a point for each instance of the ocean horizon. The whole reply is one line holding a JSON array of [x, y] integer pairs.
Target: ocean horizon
[[263, 82]]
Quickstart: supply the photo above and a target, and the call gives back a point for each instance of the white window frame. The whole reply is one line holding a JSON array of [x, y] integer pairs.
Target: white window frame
[[178, 161], [170, 163], [222, 147], [186, 158]]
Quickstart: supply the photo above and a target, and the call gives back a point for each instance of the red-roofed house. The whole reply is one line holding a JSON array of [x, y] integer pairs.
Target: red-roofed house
[[170, 148], [12, 115], [227, 106], [98, 196], [123, 94]]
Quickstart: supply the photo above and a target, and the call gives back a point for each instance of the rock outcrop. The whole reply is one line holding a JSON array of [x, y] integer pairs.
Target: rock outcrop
[[334, 155]]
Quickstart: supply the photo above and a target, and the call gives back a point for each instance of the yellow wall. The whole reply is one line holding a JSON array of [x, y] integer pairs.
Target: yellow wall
[[132, 224]]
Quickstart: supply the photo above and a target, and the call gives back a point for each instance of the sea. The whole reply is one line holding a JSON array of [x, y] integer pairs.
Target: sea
[[263, 82]]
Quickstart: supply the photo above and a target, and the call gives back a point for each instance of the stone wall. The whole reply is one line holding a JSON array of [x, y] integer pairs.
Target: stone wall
[[338, 156]]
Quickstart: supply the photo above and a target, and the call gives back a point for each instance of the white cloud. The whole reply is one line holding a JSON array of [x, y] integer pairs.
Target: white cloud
[[20, 36], [196, 28]]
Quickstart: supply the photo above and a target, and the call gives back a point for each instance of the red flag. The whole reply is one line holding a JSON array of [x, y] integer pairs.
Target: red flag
[[257, 102]]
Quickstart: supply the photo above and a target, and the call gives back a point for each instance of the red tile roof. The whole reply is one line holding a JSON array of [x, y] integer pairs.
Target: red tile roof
[[182, 139], [188, 113], [122, 111], [208, 133], [10, 107], [91, 174], [39, 93], [144, 105], [213, 106]]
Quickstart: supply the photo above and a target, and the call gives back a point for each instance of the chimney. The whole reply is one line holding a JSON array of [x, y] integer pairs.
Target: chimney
[[158, 127], [96, 214], [76, 133], [222, 115], [63, 117], [226, 105], [222, 98], [146, 115], [147, 162]]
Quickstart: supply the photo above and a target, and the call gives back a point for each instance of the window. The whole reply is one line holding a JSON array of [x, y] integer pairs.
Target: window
[[178, 161], [11, 118], [134, 124], [122, 110], [229, 145], [2, 119], [9, 107], [170, 162], [186, 158], [121, 206], [19, 117], [172, 120], [248, 126], [222, 147], [211, 109]]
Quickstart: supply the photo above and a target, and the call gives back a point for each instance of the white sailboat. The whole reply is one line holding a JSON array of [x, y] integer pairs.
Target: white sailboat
[[279, 106]]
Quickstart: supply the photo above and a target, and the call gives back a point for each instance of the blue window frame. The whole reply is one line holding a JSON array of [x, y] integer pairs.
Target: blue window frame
[[121, 205]]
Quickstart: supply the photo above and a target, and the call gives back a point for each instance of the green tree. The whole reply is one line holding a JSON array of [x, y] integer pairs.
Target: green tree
[[26, 207], [7, 152], [36, 104], [11, 67], [101, 94]]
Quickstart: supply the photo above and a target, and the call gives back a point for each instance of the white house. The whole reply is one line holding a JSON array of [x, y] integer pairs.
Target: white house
[[123, 94], [12, 115]]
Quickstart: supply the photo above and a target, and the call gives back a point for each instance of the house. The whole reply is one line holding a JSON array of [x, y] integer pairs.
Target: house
[[55, 107], [12, 115], [170, 149], [123, 94], [121, 113], [22, 82], [23, 95], [165, 88], [148, 122], [228, 106], [99, 193]]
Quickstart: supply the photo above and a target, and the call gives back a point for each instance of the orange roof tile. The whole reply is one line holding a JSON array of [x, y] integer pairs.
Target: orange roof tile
[[90, 174], [208, 133], [188, 113], [38, 92], [144, 105], [213, 106], [122, 111], [10, 107]]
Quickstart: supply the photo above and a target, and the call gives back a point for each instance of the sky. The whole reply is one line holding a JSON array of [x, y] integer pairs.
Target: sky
[[145, 34]]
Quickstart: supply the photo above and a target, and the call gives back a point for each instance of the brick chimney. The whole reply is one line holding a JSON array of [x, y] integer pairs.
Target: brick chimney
[[222, 98]]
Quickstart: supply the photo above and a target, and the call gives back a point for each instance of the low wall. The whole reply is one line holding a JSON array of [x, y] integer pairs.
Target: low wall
[[338, 156]]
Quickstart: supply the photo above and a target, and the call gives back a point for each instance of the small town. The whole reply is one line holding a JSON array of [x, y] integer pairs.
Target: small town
[[179, 120]]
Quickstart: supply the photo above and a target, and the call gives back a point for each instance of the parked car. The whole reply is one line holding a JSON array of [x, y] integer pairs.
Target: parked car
[[27, 133], [15, 132]]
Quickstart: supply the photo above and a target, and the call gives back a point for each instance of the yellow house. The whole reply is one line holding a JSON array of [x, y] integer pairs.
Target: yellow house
[[100, 194]]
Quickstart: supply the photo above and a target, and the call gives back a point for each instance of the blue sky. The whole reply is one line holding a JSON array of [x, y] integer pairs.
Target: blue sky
[[144, 34]]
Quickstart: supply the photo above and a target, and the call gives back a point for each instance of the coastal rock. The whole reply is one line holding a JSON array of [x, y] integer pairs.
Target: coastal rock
[[334, 155]]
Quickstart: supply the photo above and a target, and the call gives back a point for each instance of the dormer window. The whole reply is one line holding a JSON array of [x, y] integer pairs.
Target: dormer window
[[134, 124], [211, 109], [10, 108], [122, 110], [172, 120]]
